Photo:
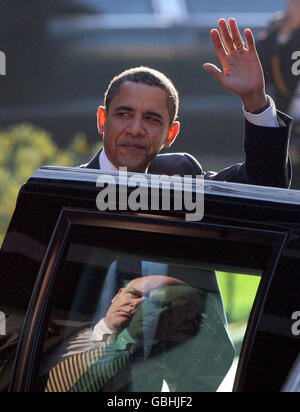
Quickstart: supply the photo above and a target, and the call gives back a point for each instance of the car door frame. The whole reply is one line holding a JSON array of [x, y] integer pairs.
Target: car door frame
[[29, 347]]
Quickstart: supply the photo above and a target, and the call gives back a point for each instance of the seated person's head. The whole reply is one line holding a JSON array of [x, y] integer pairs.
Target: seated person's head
[[176, 306]]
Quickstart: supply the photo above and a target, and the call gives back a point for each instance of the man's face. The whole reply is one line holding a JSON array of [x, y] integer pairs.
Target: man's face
[[123, 306], [136, 126], [126, 301]]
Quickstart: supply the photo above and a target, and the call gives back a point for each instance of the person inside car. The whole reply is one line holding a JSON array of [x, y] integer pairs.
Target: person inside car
[[150, 327], [139, 118]]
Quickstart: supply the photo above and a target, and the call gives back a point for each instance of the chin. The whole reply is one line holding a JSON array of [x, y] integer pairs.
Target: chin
[[133, 164], [134, 167], [121, 326]]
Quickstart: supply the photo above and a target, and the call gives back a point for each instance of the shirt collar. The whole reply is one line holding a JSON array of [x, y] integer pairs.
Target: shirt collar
[[100, 331], [105, 163]]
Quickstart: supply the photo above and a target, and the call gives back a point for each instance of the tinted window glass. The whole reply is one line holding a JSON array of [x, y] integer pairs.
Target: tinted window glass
[[125, 316]]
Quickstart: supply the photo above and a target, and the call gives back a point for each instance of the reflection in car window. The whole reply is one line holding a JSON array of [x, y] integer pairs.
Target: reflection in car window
[[229, 6], [125, 321]]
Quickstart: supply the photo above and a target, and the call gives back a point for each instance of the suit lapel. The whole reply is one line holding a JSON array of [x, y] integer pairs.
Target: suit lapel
[[94, 163]]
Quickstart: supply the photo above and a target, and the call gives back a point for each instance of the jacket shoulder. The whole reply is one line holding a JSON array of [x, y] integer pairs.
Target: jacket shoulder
[[175, 164]]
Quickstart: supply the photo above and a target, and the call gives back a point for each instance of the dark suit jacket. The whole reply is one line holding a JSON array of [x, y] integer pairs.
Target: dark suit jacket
[[266, 161]]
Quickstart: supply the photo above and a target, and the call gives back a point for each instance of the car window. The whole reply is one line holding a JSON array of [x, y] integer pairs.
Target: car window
[[214, 6], [174, 320], [292, 383], [181, 292]]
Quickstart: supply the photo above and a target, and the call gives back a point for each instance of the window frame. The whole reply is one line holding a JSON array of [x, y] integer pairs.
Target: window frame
[[29, 347]]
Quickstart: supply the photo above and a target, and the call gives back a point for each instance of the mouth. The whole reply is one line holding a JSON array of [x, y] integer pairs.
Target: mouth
[[133, 146], [125, 314]]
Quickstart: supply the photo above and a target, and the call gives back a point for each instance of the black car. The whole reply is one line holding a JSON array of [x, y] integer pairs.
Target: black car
[[63, 260]]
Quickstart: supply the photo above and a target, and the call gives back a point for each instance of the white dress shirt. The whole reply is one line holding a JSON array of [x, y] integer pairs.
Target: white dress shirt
[[100, 330], [267, 118], [105, 163]]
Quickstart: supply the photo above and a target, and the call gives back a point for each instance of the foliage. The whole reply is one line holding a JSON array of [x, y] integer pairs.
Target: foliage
[[238, 293], [23, 149]]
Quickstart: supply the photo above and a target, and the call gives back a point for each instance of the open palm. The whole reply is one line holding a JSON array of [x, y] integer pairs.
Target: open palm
[[242, 72]]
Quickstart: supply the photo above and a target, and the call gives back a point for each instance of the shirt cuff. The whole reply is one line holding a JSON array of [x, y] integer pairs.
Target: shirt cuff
[[267, 118]]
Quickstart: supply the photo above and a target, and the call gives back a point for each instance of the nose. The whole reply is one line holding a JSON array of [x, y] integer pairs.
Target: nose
[[135, 128]]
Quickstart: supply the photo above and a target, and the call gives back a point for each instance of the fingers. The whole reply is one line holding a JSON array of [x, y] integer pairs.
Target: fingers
[[214, 71], [218, 45], [236, 35], [250, 40], [231, 38], [226, 35]]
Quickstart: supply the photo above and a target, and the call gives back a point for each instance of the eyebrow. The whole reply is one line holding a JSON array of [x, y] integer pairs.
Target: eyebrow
[[127, 108], [155, 114], [130, 109]]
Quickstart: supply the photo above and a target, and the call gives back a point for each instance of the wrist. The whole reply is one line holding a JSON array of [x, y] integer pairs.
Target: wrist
[[256, 104], [267, 118], [262, 109]]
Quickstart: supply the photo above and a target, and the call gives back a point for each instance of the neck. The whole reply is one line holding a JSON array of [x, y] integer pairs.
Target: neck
[[108, 164]]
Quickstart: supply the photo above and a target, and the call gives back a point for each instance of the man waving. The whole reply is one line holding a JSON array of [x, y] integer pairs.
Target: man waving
[[139, 118]]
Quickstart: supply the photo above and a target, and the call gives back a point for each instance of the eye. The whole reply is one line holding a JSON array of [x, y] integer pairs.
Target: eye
[[123, 115], [153, 119], [135, 294]]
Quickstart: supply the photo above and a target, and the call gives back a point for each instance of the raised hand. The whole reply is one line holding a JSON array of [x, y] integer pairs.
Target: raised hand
[[242, 71]]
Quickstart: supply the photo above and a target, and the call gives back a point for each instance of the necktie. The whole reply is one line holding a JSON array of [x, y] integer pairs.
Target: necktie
[[88, 371]]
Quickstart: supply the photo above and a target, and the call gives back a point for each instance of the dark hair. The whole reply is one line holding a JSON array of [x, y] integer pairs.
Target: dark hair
[[150, 77]]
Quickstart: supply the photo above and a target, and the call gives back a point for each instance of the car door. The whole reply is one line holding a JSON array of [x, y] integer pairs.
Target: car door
[[202, 347]]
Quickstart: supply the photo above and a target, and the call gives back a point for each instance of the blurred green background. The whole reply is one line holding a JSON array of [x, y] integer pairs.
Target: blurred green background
[[238, 292], [23, 149]]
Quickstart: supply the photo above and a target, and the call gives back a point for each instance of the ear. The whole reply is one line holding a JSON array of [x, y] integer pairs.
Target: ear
[[173, 132], [101, 119]]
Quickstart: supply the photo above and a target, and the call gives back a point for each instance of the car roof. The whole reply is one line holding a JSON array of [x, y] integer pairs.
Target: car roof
[[212, 187], [266, 205]]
